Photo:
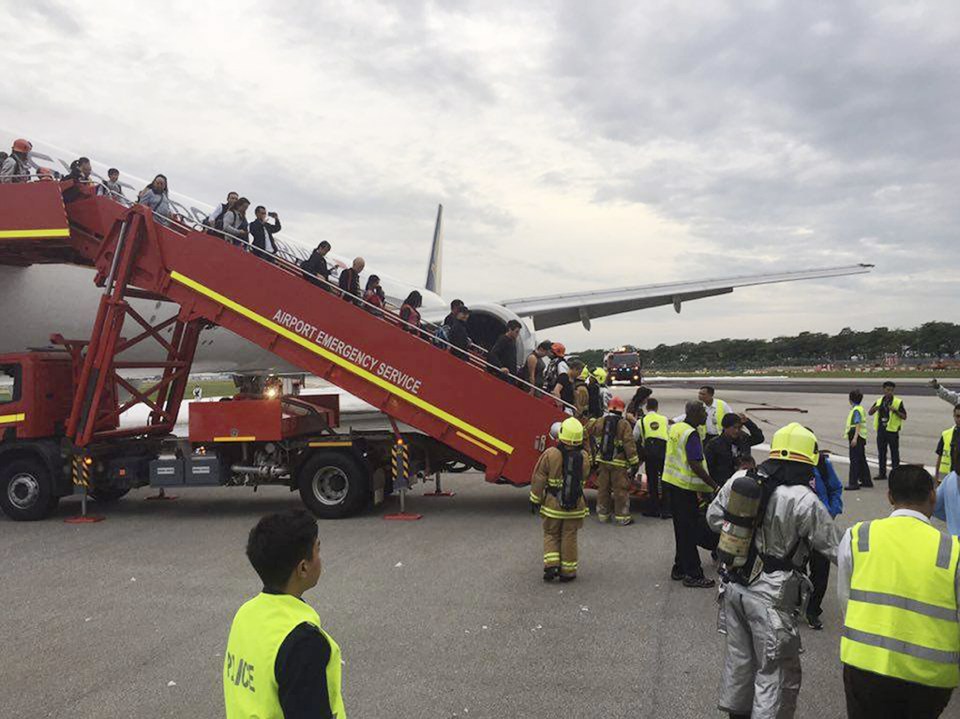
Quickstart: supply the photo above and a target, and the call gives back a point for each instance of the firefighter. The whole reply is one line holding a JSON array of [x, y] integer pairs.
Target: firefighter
[[763, 586], [556, 491], [595, 403], [616, 455]]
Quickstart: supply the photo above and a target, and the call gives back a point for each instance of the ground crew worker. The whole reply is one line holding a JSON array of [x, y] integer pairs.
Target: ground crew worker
[[888, 416], [556, 490], [716, 409], [653, 433], [761, 600], [856, 431], [279, 661], [684, 469], [616, 455], [898, 587], [947, 448]]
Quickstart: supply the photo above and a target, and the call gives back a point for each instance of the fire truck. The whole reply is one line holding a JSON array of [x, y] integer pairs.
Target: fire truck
[[623, 365], [61, 407]]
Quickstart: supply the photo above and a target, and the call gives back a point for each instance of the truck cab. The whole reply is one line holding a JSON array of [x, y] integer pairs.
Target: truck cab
[[36, 392]]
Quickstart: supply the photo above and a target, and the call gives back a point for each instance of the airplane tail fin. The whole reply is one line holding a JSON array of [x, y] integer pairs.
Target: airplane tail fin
[[435, 268]]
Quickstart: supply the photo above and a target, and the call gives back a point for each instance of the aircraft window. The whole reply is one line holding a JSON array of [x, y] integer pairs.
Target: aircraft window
[[10, 376]]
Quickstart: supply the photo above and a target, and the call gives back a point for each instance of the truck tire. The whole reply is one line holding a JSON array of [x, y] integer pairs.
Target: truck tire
[[333, 485], [26, 490], [108, 495]]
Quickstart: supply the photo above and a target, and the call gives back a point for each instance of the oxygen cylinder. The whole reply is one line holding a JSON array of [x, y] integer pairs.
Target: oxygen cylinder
[[572, 488], [739, 521]]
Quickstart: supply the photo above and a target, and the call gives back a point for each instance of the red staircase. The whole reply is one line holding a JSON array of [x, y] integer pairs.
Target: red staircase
[[499, 426]]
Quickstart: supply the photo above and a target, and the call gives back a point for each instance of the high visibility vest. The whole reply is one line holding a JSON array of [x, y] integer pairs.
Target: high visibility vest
[[676, 468], [863, 422], [259, 628], [902, 615], [654, 426], [946, 459], [721, 412], [894, 423]]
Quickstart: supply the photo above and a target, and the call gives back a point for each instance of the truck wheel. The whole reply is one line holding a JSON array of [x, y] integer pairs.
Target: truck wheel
[[333, 485], [108, 495], [26, 490]]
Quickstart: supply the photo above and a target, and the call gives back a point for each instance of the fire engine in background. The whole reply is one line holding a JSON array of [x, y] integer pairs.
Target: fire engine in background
[[623, 365]]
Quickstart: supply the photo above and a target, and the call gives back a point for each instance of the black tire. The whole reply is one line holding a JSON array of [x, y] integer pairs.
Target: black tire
[[26, 490], [333, 485], [108, 495]]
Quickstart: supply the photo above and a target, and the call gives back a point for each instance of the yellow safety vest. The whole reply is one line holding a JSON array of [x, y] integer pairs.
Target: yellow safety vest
[[902, 615], [863, 422], [721, 412], [676, 468], [654, 426], [946, 459], [259, 628], [894, 423]]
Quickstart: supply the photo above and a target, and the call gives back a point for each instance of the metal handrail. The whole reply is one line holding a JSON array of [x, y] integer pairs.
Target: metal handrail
[[381, 312]]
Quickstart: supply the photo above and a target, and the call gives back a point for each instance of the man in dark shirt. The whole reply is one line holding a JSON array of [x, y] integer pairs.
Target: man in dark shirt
[[454, 306], [350, 279], [503, 354], [457, 334], [262, 232], [316, 264], [278, 626], [738, 434]]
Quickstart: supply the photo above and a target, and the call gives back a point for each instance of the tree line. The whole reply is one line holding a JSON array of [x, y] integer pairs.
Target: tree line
[[928, 341]]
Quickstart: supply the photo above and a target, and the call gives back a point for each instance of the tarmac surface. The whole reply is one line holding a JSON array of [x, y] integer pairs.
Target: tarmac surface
[[443, 617]]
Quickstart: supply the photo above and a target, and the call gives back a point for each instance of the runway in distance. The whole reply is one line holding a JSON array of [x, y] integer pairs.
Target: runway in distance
[[65, 297]]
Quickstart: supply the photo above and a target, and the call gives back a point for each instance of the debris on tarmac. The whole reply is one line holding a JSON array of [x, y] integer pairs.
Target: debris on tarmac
[[398, 564], [171, 683]]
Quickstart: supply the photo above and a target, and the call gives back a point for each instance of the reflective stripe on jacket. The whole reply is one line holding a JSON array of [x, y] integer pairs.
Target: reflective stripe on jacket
[[676, 468], [901, 618], [547, 481], [259, 628]]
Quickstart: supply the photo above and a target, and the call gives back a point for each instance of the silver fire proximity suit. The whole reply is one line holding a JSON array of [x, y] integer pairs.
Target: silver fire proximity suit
[[761, 673]]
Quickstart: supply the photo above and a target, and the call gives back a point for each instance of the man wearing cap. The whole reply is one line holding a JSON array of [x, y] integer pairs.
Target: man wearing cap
[[556, 491], [616, 455], [762, 592]]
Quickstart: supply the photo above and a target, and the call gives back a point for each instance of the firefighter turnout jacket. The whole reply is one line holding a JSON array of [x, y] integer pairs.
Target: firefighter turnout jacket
[[620, 445], [547, 482]]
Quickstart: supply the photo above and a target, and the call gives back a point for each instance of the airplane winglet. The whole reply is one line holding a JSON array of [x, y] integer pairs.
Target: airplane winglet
[[435, 268]]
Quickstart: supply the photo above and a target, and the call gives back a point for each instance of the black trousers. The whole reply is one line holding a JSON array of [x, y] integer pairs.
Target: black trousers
[[892, 440], [873, 696], [654, 465], [819, 576], [859, 469], [690, 531]]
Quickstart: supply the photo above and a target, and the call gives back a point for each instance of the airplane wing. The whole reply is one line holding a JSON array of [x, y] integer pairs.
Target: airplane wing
[[553, 310]]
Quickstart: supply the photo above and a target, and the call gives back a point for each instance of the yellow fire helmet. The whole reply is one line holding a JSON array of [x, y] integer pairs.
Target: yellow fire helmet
[[585, 374], [600, 374], [795, 443], [571, 431]]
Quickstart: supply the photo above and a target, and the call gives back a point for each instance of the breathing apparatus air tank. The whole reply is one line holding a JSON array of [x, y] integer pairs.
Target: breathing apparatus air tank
[[739, 521]]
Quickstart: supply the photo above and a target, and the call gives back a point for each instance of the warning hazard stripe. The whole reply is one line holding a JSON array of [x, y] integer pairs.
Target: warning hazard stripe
[[341, 362], [11, 418]]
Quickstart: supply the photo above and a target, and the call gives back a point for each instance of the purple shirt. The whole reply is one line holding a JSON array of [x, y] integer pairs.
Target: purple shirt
[[694, 447]]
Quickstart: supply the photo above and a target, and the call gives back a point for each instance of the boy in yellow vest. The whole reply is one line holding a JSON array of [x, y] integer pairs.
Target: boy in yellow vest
[[898, 588], [279, 662]]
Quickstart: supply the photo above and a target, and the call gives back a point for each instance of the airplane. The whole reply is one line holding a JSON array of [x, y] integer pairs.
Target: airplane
[[40, 299]]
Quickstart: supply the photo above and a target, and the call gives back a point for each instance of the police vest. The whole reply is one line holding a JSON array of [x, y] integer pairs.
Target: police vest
[[654, 426], [863, 422], [946, 459], [902, 615], [894, 422], [259, 628], [676, 468]]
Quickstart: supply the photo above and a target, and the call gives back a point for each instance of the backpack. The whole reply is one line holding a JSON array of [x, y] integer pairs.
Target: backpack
[[441, 336], [594, 408], [551, 374], [608, 445]]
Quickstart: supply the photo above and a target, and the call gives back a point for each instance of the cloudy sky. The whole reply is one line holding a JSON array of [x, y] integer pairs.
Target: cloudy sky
[[574, 145]]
